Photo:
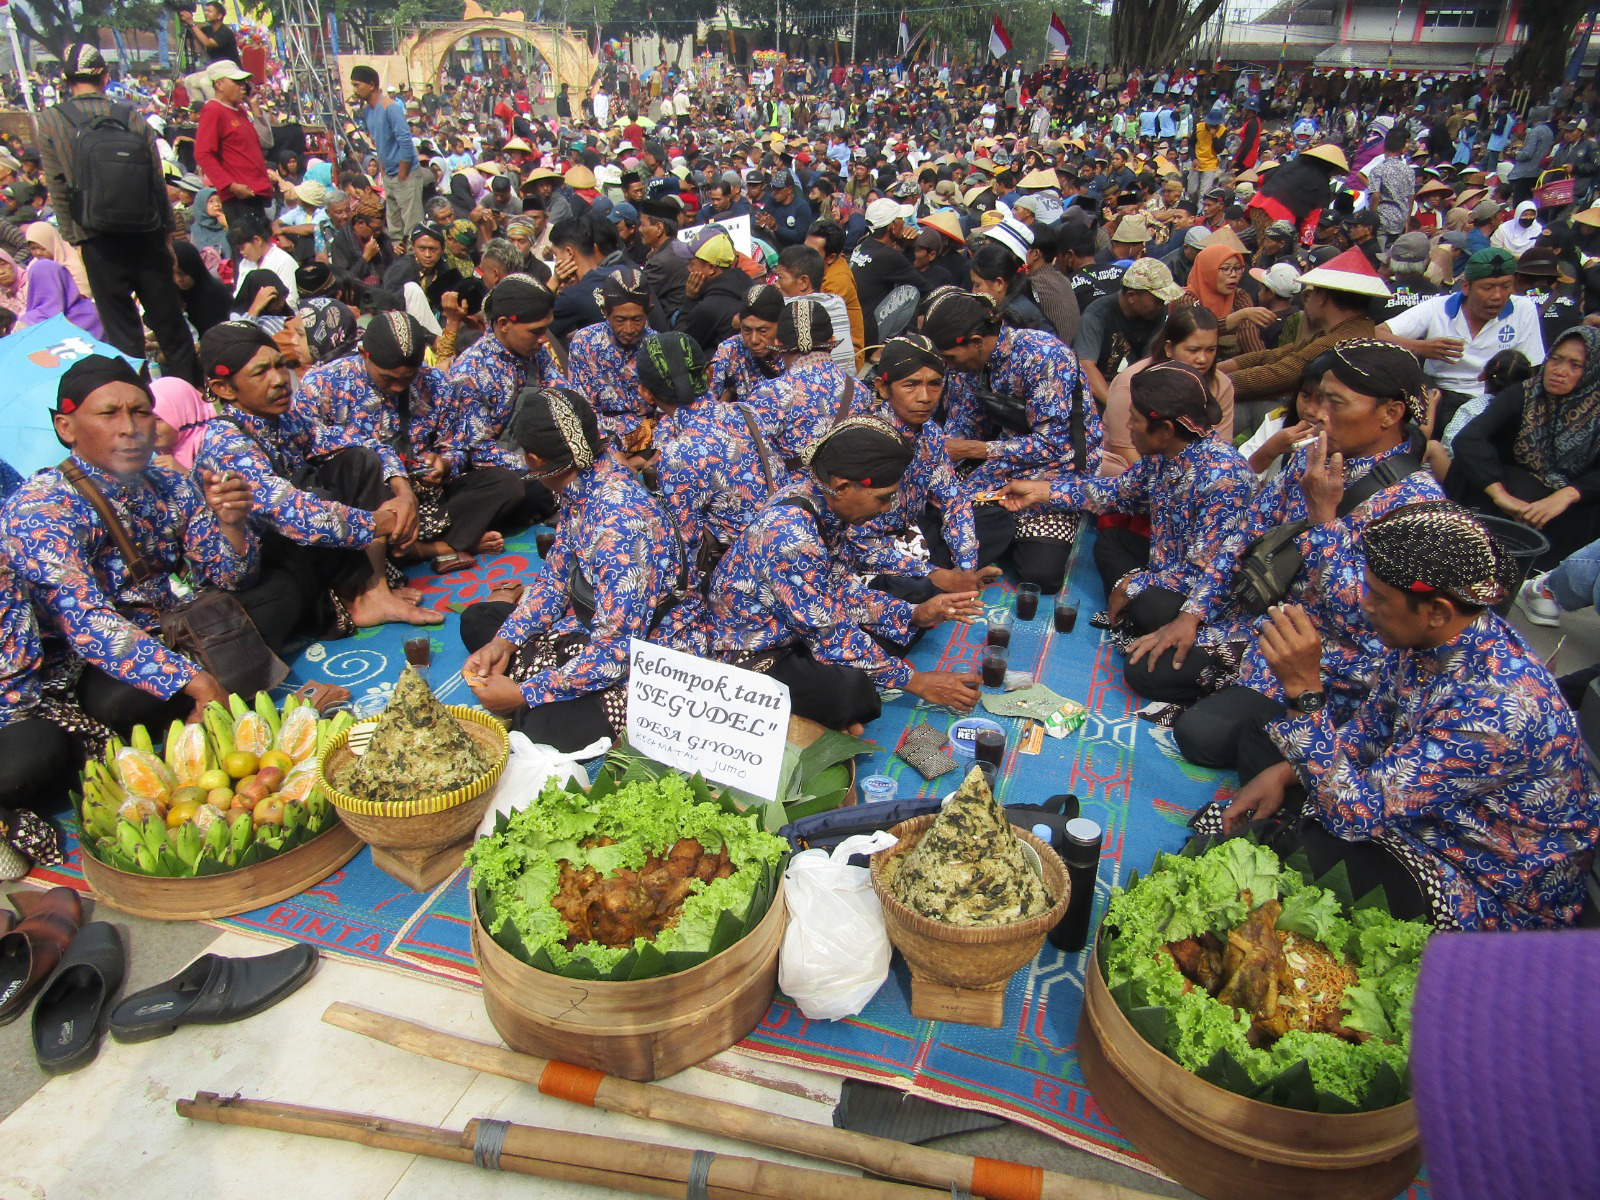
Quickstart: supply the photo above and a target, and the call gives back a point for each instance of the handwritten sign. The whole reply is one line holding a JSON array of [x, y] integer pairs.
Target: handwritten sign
[[727, 723]]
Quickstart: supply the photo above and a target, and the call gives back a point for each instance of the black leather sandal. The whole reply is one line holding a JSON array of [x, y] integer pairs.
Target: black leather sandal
[[66, 1020], [213, 990]]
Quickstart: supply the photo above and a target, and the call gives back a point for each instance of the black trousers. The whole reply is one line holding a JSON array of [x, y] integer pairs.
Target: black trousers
[[120, 706], [995, 528], [290, 595], [830, 694], [1227, 731], [1118, 550], [567, 725], [38, 763], [1041, 561], [247, 214], [480, 500], [1567, 534], [122, 266]]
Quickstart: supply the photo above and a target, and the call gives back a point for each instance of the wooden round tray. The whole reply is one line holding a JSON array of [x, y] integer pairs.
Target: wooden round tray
[[1223, 1145], [208, 896]]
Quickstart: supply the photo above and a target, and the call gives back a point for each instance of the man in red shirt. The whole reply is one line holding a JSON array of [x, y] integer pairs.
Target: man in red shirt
[[228, 145]]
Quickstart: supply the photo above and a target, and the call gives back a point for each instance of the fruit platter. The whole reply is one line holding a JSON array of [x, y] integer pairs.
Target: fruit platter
[[225, 817]]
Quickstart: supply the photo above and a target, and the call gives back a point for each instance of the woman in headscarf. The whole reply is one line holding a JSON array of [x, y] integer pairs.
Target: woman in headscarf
[[1460, 785], [750, 358], [1194, 487], [1189, 337], [467, 188], [181, 416], [1521, 232], [13, 284], [1016, 406], [425, 265], [785, 601], [206, 301], [1534, 453], [1213, 285], [205, 223], [51, 293], [47, 242], [261, 301], [557, 663], [602, 359], [321, 171], [932, 539]]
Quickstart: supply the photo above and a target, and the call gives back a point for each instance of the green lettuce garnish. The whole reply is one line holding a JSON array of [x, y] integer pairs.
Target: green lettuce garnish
[[520, 866], [1189, 896]]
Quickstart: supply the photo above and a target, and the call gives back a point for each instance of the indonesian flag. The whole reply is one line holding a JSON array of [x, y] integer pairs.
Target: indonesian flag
[[999, 39], [905, 34], [1057, 37]]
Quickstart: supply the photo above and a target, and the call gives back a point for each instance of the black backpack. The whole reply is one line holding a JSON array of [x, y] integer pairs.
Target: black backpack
[[115, 173]]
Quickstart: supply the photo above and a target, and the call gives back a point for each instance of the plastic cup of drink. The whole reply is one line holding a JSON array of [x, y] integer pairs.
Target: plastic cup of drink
[[994, 667], [989, 746], [878, 789], [1027, 601]]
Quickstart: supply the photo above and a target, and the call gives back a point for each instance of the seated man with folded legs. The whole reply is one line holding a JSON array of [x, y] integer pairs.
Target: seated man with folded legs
[[327, 507], [100, 613], [785, 601], [927, 541], [421, 431], [1017, 407], [1366, 460], [557, 663], [1195, 487], [1460, 784]]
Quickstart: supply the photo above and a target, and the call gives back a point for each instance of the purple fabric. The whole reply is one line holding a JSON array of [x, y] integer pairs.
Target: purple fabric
[[52, 292], [1502, 1049]]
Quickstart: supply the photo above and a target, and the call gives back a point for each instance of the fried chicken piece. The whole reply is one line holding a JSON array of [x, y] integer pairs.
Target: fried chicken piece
[[1250, 963], [1199, 959]]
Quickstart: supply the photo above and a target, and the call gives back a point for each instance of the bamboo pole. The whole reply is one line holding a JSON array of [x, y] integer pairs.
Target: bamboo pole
[[552, 1153], [991, 1178]]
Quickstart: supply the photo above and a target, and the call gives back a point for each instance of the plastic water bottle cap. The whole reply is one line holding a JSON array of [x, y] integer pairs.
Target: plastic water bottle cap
[[1042, 832], [1083, 830]]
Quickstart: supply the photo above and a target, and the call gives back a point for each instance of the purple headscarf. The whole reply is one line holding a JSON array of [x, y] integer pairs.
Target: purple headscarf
[[52, 292]]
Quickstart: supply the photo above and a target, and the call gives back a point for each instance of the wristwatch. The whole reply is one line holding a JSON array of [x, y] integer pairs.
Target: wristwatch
[[1309, 702]]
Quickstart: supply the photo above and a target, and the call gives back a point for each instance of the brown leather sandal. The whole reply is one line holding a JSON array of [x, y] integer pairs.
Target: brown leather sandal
[[324, 697], [33, 949]]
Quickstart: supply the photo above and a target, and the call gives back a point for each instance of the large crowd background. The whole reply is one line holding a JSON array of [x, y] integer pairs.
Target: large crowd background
[[796, 361]]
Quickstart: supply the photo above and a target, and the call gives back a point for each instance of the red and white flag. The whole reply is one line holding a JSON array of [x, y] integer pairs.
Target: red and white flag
[[904, 42], [999, 39], [1057, 37]]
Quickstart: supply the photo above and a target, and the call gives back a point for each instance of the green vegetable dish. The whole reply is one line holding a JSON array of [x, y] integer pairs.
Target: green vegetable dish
[[635, 879], [1265, 982]]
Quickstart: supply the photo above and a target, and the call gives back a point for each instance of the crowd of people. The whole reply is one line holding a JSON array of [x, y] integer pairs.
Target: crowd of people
[[798, 363]]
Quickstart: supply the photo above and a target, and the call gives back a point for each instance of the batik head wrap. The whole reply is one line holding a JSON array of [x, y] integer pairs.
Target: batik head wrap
[[672, 367], [1439, 549], [906, 355], [864, 450], [1176, 393], [804, 328], [559, 426], [1383, 371]]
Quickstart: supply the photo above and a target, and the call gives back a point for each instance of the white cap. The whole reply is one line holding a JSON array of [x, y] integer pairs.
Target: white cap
[[883, 213]]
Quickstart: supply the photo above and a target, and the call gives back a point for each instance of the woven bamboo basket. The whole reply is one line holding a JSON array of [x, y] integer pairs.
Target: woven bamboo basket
[[967, 957], [416, 841]]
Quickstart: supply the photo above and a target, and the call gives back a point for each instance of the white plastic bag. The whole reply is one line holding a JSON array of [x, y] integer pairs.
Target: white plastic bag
[[835, 952], [529, 768]]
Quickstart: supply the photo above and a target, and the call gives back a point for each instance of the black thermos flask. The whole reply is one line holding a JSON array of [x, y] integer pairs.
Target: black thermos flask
[[1079, 848]]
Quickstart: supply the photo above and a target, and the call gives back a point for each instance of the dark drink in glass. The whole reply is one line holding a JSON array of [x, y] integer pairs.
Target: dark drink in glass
[[543, 542], [999, 635], [1027, 601], [1066, 616], [994, 667], [989, 746]]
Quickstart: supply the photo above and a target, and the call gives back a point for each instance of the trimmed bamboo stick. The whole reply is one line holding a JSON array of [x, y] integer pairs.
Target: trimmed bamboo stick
[[553, 1153], [991, 1178]]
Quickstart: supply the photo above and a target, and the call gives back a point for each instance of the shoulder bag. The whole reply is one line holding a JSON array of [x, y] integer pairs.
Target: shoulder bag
[[212, 629]]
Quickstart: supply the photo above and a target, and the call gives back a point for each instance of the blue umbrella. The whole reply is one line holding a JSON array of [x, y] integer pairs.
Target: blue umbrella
[[33, 360]]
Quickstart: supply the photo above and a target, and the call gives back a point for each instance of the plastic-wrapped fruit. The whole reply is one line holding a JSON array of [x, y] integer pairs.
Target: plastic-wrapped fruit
[[252, 735], [206, 816], [143, 774], [138, 809], [188, 754], [298, 735], [299, 784]]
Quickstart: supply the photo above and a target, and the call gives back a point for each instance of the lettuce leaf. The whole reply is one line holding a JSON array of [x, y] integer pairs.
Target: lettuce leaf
[[521, 864], [1364, 1012]]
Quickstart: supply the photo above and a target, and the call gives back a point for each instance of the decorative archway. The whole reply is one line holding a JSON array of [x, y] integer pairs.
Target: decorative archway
[[571, 60]]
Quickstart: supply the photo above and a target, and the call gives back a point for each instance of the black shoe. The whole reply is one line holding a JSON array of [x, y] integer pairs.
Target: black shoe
[[66, 1020], [213, 990]]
